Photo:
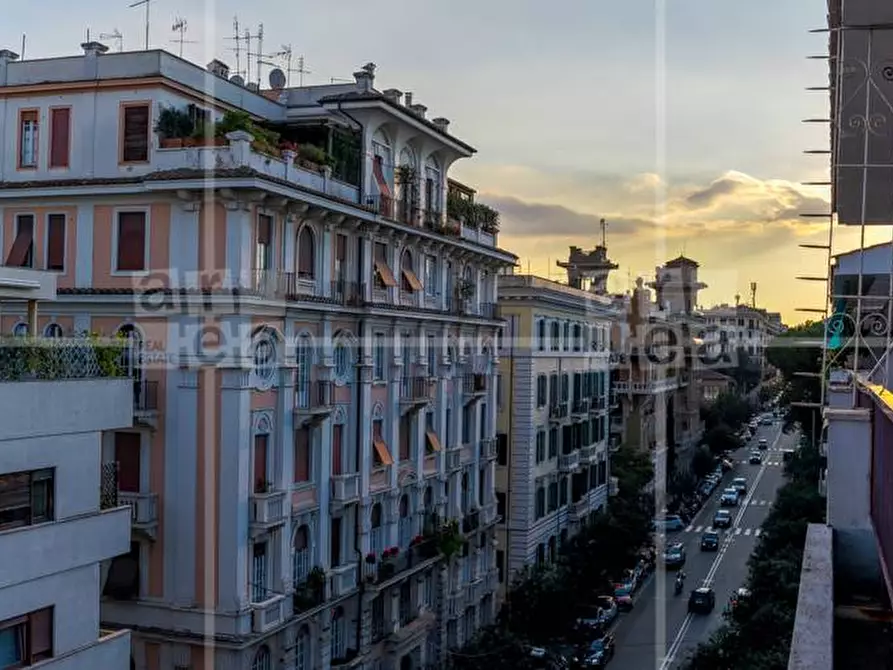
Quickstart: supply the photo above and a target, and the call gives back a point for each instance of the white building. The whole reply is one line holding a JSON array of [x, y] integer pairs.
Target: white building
[[553, 464], [731, 328], [55, 531]]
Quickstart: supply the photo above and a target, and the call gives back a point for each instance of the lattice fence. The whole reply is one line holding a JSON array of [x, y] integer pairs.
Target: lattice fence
[[108, 486], [23, 358]]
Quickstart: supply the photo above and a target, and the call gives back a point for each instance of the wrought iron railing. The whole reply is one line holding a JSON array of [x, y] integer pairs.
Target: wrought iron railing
[[37, 358]]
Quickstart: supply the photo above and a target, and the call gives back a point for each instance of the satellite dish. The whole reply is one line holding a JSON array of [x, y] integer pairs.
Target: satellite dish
[[237, 80], [277, 79]]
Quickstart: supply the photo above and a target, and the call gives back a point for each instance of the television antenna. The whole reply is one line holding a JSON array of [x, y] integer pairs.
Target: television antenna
[[336, 80], [180, 26], [287, 55], [753, 294], [259, 54], [237, 49], [114, 35], [146, 3]]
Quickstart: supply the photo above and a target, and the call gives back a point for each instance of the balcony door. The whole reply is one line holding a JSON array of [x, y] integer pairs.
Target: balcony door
[[127, 456]]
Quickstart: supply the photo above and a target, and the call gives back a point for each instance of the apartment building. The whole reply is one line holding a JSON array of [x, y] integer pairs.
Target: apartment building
[[553, 464], [57, 533], [731, 328], [311, 461]]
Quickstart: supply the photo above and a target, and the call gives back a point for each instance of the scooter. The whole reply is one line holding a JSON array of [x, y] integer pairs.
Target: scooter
[[679, 585]]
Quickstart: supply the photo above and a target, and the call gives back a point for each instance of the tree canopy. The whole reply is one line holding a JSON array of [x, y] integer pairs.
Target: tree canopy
[[793, 353]]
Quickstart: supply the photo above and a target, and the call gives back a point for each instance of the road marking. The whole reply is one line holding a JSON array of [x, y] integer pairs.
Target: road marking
[[757, 532], [737, 531], [688, 530], [699, 529], [747, 531]]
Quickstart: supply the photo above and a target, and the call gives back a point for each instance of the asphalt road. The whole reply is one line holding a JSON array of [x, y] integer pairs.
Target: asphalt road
[[659, 633]]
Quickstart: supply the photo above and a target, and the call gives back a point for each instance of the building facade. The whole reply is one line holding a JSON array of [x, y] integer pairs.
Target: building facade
[[311, 464], [553, 463], [732, 328], [57, 532]]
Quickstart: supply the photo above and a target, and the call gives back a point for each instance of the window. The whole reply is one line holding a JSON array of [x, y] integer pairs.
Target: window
[[381, 452], [27, 639], [337, 648], [260, 463], [28, 126], [131, 242], [21, 255], [404, 527], [56, 242], [555, 337], [301, 555], [562, 492], [340, 268], [263, 246], [302, 454], [20, 329], [567, 335], [259, 573], [343, 360], [135, 131], [264, 361], [262, 659], [53, 330], [60, 137], [432, 356], [553, 496], [406, 426], [302, 649], [306, 254], [303, 364], [26, 498], [541, 334], [540, 446], [430, 276], [378, 357], [410, 282], [384, 278], [540, 502], [553, 443], [553, 390], [541, 391]]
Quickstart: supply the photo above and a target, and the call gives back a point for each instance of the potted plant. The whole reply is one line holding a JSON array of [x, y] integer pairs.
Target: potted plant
[[486, 217], [388, 567], [405, 174], [449, 540], [173, 126], [465, 289], [313, 157]]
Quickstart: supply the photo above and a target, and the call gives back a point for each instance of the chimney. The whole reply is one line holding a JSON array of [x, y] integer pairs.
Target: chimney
[[219, 69], [6, 57], [365, 77], [441, 123], [407, 99], [94, 48], [393, 95], [419, 110]]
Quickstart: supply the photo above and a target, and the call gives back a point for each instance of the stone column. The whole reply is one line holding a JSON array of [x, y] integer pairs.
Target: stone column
[[283, 476], [239, 248]]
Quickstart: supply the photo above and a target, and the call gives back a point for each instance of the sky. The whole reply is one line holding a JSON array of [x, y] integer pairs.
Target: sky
[[678, 122]]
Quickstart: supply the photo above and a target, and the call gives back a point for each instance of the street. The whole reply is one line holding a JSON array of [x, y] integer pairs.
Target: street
[[659, 633]]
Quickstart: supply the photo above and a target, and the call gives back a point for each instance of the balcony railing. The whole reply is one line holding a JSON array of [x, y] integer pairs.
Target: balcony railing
[[415, 390], [348, 293], [453, 459], [569, 462], [578, 510], [474, 385], [488, 449], [143, 508], [580, 407], [488, 515], [345, 488], [587, 454], [471, 521], [314, 397], [342, 579], [268, 614], [384, 569], [267, 509], [145, 397], [39, 358], [558, 411], [488, 310]]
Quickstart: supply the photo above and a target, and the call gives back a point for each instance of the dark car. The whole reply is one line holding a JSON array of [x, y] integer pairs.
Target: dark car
[[674, 555], [756, 458], [600, 651], [710, 540], [722, 519], [702, 601], [763, 444]]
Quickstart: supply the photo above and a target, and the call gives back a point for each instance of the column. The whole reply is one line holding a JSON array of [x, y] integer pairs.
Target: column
[[234, 483], [365, 286], [325, 256], [32, 318], [283, 477], [359, 418], [183, 245], [289, 232], [239, 249]]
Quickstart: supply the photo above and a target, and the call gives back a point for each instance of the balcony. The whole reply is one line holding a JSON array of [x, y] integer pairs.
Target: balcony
[[580, 408], [646, 387], [313, 401], [416, 391], [267, 510], [111, 650], [342, 580], [558, 412], [348, 294], [471, 522], [588, 454], [474, 386], [489, 515], [268, 614], [488, 310], [387, 570], [453, 459], [568, 463], [598, 404], [455, 603], [578, 511], [145, 403], [487, 449], [143, 510], [345, 488]]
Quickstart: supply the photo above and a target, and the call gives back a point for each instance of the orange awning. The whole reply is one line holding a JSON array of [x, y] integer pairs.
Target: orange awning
[[380, 181], [412, 280], [381, 449], [433, 442], [387, 277]]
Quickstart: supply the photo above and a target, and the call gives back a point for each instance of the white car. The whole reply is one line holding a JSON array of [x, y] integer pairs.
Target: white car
[[729, 497]]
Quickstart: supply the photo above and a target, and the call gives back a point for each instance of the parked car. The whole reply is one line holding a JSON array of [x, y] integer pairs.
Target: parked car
[[787, 454], [729, 497], [740, 483], [600, 651], [669, 523], [608, 609], [766, 421], [722, 519], [624, 601], [710, 540], [763, 443], [674, 555], [702, 600], [756, 458]]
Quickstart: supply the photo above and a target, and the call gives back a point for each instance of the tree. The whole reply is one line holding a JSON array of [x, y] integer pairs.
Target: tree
[[748, 372], [493, 648], [729, 409], [721, 438], [797, 354], [702, 462]]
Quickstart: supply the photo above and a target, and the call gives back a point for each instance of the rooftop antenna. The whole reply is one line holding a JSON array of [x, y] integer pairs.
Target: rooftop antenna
[[146, 3], [237, 49], [335, 80], [753, 294], [180, 26], [247, 38], [114, 35], [287, 54], [604, 225]]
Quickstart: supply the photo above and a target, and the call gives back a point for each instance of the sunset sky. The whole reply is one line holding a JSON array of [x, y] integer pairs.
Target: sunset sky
[[577, 112]]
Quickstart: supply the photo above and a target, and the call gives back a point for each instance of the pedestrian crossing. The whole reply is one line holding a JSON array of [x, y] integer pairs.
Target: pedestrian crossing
[[746, 532], [747, 462]]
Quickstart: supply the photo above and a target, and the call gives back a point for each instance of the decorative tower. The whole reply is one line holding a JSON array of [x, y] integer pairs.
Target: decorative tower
[[589, 270]]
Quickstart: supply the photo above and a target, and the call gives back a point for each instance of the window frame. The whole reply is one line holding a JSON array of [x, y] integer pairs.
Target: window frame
[[34, 476], [46, 242], [52, 135], [31, 256], [122, 126], [147, 237], [20, 137]]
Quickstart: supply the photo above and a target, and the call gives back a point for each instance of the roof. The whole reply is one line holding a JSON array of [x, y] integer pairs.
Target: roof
[[713, 375], [375, 96], [681, 261]]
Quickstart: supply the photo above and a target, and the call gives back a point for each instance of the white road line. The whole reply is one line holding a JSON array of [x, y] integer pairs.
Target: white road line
[[688, 530], [757, 532], [747, 531], [699, 529], [737, 531]]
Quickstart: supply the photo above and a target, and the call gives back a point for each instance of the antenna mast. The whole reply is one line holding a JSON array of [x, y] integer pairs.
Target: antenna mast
[[287, 54], [146, 3], [753, 294], [180, 27], [114, 35], [604, 225], [237, 49]]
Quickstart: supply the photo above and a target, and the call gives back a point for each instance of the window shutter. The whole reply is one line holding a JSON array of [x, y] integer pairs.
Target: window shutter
[[302, 455], [260, 463], [20, 254], [56, 242], [264, 229], [337, 439], [305, 254], [136, 134], [60, 129], [127, 454], [41, 632], [131, 241]]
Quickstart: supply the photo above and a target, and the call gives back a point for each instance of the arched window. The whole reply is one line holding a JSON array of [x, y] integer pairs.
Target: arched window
[[264, 354], [302, 649], [53, 330], [405, 527], [303, 362], [337, 649], [343, 356], [306, 253], [433, 185], [262, 659], [301, 554], [20, 329], [375, 537]]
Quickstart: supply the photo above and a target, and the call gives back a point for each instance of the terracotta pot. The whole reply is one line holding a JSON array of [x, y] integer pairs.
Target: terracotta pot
[[190, 142], [172, 143]]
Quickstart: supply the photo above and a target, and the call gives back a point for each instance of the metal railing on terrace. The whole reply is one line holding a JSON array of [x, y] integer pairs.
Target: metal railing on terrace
[[39, 358]]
